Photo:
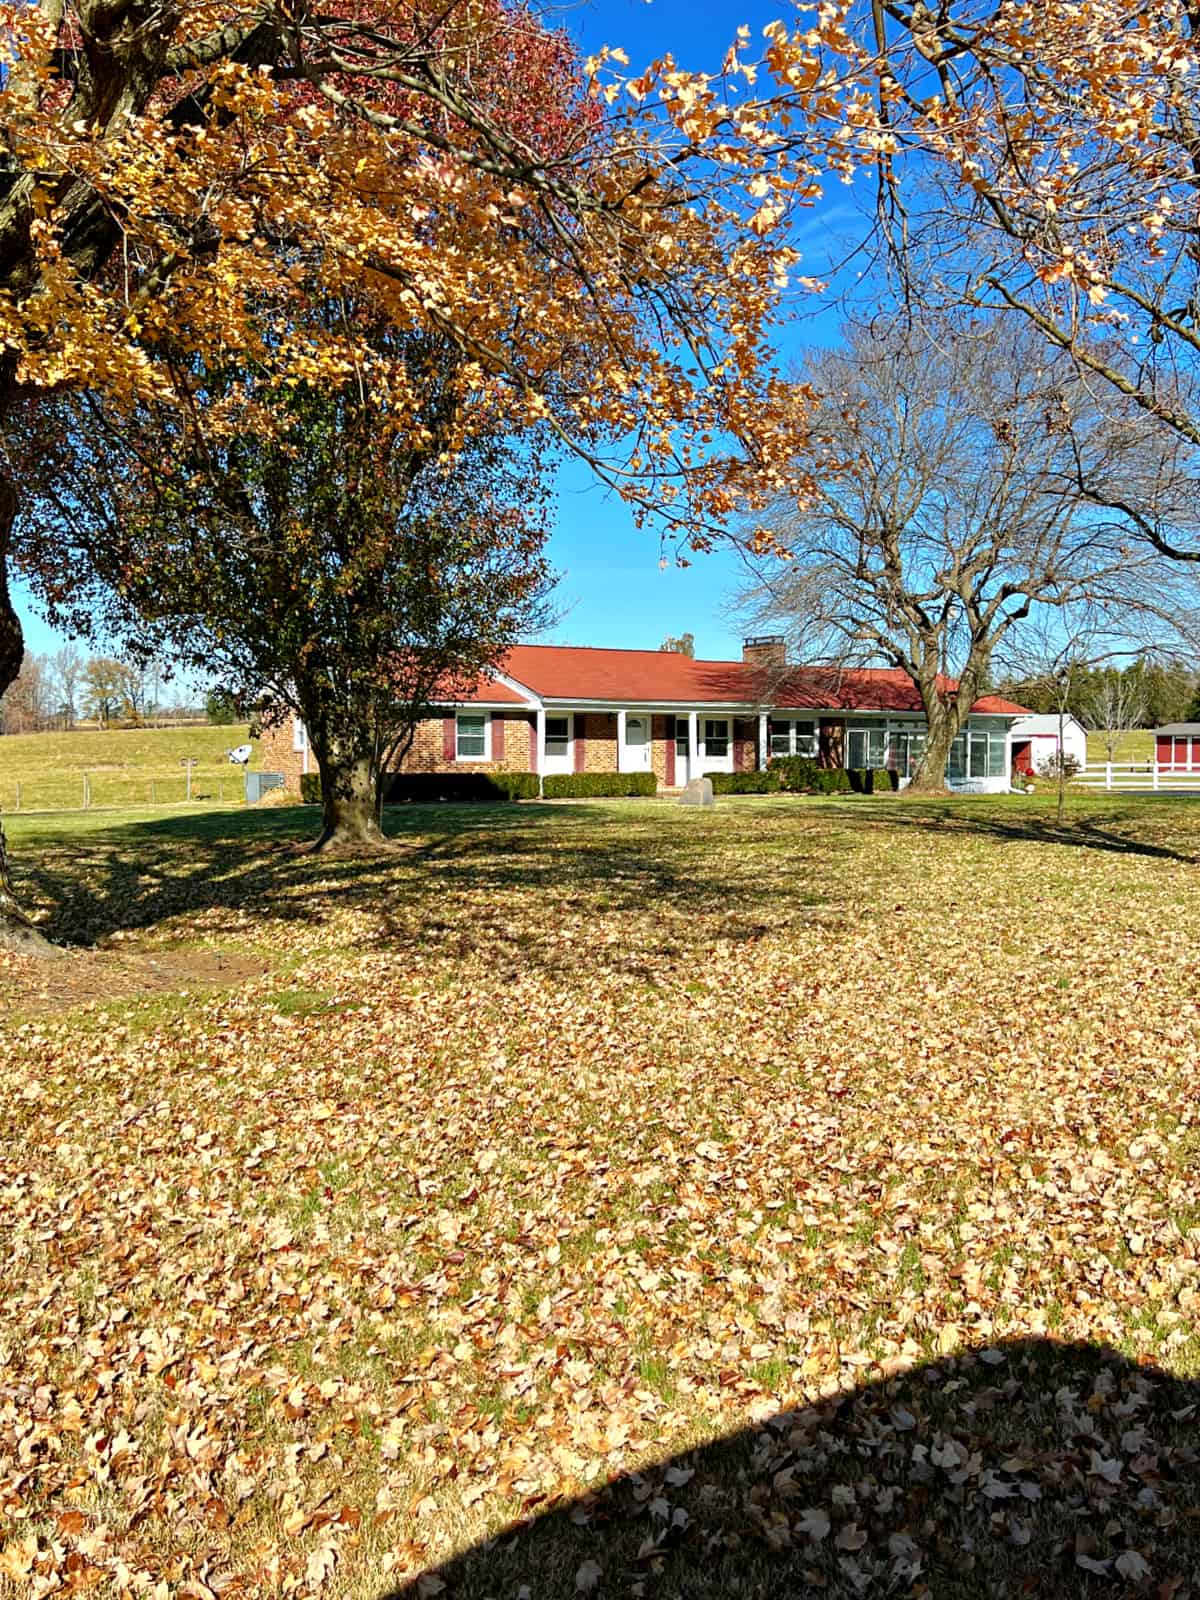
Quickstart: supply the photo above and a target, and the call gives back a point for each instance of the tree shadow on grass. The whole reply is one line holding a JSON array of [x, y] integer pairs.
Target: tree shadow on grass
[[234, 868], [985, 817], [1034, 1469]]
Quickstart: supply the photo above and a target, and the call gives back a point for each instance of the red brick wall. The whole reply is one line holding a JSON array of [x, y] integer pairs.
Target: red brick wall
[[514, 742], [275, 754]]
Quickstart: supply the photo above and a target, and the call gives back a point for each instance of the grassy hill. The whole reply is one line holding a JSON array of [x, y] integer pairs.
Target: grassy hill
[[1136, 745], [124, 766]]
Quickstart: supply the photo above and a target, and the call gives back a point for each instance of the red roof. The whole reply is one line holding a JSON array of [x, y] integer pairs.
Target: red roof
[[661, 677]]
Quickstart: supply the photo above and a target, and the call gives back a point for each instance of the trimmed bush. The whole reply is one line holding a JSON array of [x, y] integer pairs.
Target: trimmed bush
[[873, 780], [413, 788], [796, 774], [802, 775], [745, 782], [832, 780], [597, 785]]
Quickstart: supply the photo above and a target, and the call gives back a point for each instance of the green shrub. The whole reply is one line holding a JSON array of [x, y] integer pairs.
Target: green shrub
[[745, 782], [796, 774], [408, 788], [802, 775], [832, 780], [884, 780], [597, 785]]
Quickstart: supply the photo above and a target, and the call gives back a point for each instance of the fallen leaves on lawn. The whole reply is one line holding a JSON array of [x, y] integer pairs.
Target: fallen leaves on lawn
[[564, 1146]]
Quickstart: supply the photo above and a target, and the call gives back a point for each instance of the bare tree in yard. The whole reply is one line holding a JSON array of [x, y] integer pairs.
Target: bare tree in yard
[[1113, 703], [947, 516]]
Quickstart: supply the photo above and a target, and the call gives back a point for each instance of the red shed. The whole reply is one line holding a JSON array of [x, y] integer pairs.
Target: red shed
[[1177, 746]]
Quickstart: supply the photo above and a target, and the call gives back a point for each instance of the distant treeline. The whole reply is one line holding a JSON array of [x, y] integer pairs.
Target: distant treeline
[[1141, 695], [59, 690]]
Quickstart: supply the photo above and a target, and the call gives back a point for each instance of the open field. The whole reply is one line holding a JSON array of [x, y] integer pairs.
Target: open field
[[710, 1194], [121, 765]]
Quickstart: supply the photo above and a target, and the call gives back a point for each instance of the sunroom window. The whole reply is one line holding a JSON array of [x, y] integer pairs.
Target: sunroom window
[[866, 747], [472, 736]]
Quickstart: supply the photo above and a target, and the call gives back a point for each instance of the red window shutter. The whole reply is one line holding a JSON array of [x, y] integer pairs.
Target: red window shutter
[[669, 751], [497, 738], [449, 739], [580, 745]]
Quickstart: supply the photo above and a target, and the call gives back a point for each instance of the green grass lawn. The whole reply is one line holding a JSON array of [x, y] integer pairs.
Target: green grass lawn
[[124, 766], [797, 1197]]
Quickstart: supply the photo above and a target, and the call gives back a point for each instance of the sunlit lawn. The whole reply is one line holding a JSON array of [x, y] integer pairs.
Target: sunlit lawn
[[427, 1192]]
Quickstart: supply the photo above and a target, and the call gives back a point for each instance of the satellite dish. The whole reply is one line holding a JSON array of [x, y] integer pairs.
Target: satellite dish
[[241, 754]]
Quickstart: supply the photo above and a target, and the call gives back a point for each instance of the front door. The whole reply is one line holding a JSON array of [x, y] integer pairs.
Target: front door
[[637, 744]]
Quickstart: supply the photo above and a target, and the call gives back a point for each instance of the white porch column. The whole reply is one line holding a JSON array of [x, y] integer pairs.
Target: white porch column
[[621, 741], [693, 747], [762, 741], [541, 745]]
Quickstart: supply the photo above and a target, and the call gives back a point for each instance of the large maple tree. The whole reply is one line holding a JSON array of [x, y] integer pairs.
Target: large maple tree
[[169, 170]]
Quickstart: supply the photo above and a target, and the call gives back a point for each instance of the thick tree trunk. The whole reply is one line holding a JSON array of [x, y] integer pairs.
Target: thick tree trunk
[[350, 804], [16, 930], [930, 775]]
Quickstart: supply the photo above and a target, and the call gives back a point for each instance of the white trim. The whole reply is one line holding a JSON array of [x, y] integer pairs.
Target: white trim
[[474, 711], [531, 696]]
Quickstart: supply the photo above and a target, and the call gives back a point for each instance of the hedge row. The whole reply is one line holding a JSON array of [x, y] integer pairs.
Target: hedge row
[[802, 775], [745, 782], [415, 787], [597, 785]]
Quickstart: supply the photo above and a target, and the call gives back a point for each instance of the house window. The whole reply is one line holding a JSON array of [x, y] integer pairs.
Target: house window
[[905, 747], [681, 738], [792, 738], [716, 737], [866, 747], [299, 736], [558, 736], [471, 736]]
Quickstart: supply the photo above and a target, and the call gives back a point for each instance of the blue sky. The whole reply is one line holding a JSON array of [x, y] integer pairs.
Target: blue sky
[[613, 591]]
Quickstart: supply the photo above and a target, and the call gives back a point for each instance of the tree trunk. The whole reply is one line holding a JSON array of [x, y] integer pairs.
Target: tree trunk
[[943, 728], [349, 803], [17, 932]]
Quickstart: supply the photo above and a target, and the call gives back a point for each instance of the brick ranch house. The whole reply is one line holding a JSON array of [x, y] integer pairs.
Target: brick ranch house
[[559, 708]]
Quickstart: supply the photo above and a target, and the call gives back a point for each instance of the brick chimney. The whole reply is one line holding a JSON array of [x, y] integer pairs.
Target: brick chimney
[[765, 650]]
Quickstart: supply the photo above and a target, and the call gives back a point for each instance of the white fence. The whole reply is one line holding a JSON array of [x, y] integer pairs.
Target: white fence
[[1139, 776]]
